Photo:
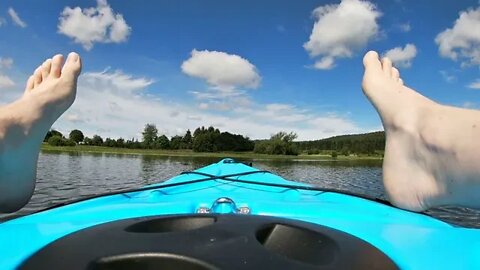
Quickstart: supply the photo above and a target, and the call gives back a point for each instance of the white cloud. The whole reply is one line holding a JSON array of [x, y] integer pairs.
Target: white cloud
[[405, 27], [221, 70], [227, 76], [340, 30], [5, 82], [462, 41], [203, 106], [113, 109], [475, 84], [194, 117], [2, 21], [75, 118], [326, 62], [117, 81], [286, 117], [15, 18], [96, 24], [402, 57], [6, 62]]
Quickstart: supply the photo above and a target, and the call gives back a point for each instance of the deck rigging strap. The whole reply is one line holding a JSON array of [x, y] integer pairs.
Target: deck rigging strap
[[301, 187], [228, 177]]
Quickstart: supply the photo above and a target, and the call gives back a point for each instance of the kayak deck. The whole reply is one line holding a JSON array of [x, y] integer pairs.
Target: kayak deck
[[411, 240]]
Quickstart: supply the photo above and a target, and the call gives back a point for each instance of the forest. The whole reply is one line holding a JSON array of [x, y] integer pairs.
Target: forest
[[211, 139]]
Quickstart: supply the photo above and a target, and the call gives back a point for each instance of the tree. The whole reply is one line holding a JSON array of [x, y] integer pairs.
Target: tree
[[68, 142], [97, 140], [52, 133], [162, 142], [150, 133], [76, 136], [260, 147], [197, 132], [280, 143], [120, 142], [87, 141], [204, 142], [175, 142], [187, 140], [55, 140], [110, 142]]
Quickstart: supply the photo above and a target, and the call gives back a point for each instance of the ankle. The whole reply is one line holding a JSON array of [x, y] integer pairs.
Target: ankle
[[433, 129]]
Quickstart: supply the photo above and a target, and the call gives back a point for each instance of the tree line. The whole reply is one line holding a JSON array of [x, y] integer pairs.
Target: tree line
[[366, 143], [211, 139], [202, 140]]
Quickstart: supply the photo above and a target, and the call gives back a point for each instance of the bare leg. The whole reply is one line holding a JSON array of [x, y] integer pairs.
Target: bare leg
[[23, 125], [432, 152]]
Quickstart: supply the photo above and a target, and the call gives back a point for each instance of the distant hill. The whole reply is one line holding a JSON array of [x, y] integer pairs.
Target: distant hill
[[366, 143]]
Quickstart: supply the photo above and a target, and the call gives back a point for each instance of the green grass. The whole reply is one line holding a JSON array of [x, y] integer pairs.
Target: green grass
[[190, 153]]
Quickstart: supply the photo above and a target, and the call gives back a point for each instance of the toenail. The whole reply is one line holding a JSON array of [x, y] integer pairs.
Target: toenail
[[73, 56]]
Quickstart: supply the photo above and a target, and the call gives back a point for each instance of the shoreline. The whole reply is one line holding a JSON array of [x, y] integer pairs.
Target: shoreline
[[189, 153]]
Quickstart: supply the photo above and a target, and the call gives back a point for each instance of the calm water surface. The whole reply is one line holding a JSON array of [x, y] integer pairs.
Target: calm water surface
[[63, 177]]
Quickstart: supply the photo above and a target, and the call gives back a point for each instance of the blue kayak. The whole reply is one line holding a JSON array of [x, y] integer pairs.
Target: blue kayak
[[229, 215]]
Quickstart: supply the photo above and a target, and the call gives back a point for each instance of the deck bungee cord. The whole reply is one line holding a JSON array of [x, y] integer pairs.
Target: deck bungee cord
[[228, 177]]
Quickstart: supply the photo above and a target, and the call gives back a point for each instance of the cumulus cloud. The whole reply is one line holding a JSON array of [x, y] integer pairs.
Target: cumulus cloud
[[402, 57], [475, 84], [111, 109], [228, 75], [15, 18], [462, 41], [91, 25], [222, 70], [340, 30]]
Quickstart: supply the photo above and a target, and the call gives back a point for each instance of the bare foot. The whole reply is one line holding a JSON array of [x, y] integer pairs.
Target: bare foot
[[50, 91], [411, 175]]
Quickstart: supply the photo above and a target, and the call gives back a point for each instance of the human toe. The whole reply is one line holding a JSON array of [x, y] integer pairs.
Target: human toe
[[73, 65], [45, 68], [37, 77], [387, 66], [30, 83], [371, 61], [57, 62], [395, 74]]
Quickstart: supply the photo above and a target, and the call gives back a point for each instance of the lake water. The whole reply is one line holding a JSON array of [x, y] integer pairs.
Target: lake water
[[63, 177]]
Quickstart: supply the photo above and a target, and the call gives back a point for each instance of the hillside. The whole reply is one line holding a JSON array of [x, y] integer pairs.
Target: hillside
[[366, 143]]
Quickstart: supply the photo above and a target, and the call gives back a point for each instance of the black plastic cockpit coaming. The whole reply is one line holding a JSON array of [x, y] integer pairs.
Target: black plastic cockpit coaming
[[209, 241]]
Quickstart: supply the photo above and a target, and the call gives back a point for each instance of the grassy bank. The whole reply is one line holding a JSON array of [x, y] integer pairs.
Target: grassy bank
[[189, 153]]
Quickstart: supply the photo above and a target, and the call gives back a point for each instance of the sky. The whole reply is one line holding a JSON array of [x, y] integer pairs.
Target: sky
[[248, 67]]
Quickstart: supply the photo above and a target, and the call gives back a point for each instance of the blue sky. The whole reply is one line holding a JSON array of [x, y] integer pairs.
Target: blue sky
[[251, 67]]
